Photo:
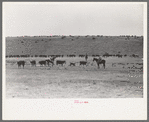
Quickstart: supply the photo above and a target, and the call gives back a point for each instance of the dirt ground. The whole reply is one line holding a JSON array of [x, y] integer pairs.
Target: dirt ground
[[73, 82]]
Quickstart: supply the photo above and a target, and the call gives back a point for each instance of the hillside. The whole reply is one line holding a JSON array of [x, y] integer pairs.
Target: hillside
[[47, 45]]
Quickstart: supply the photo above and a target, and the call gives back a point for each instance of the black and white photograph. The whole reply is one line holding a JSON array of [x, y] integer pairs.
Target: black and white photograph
[[74, 50]]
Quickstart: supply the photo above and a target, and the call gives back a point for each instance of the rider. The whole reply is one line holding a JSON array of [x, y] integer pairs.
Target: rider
[[86, 56], [99, 59]]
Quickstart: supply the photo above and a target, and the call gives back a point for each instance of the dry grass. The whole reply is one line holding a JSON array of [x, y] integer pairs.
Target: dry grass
[[66, 46], [72, 82]]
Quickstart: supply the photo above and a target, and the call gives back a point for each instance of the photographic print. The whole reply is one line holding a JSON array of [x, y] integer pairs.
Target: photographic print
[[73, 50]]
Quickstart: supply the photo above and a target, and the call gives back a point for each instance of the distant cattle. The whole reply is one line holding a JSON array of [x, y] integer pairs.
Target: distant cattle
[[60, 62], [119, 56], [21, 63], [135, 55], [71, 55], [81, 55], [105, 55], [33, 63], [125, 55]]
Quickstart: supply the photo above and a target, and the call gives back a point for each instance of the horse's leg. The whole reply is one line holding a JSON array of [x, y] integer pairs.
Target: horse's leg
[[104, 65]]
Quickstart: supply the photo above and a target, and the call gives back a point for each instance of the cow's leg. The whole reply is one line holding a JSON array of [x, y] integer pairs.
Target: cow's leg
[[98, 66]]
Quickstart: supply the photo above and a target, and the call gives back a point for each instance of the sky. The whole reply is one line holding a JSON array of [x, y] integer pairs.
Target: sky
[[72, 18]]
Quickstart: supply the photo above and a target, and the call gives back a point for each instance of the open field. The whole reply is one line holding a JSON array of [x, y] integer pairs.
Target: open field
[[117, 80], [74, 81]]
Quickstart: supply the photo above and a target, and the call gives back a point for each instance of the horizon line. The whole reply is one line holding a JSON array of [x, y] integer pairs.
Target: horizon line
[[71, 35]]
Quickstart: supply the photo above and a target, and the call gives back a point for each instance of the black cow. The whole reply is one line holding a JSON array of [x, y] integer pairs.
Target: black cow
[[42, 63], [119, 56], [33, 63], [125, 55], [83, 63], [21, 63], [135, 55], [60, 62]]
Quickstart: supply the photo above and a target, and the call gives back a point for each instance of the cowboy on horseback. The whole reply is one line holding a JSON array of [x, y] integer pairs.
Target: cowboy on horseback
[[99, 59]]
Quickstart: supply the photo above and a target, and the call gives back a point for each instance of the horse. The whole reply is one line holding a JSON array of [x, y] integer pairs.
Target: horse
[[50, 61], [42, 63], [33, 63], [99, 62], [53, 58], [21, 63], [60, 62]]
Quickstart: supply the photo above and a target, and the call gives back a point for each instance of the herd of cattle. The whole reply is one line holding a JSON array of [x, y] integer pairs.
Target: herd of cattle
[[50, 62], [45, 56]]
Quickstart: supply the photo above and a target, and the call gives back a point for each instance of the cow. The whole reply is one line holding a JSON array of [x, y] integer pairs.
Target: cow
[[119, 56], [33, 63], [42, 63], [81, 55], [21, 63], [60, 62], [83, 63], [125, 55], [135, 55]]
